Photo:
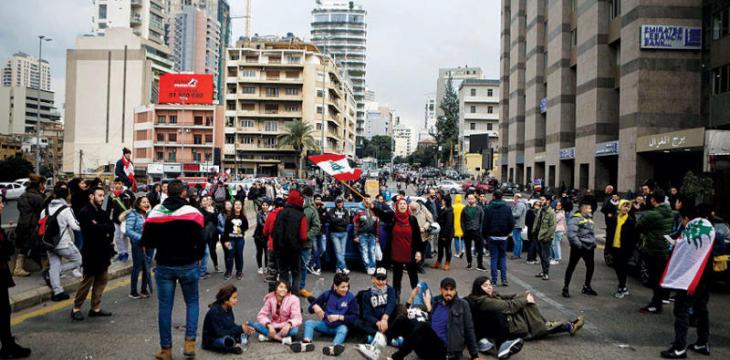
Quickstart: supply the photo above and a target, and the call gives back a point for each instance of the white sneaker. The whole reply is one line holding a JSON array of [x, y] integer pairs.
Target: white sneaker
[[485, 345], [346, 271], [371, 271], [554, 262], [263, 338], [509, 348], [77, 273], [286, 341], [260, 271], [317, 272], [370, 352]]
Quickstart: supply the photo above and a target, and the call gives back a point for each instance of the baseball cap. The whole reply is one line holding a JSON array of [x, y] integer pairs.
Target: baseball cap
[[518, 195], [448, 283], [380, 273]]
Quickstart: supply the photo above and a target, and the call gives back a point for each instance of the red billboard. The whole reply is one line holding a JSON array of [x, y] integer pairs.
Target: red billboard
[[186, 89]]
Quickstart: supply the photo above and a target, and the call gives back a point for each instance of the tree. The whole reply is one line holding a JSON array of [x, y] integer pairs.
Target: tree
[[697, 187], [447, 125], [15, 168], [423, 156], [299, 135], [400, 160], [380, 147]]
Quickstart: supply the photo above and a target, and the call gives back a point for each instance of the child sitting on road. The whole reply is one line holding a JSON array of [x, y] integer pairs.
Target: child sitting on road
[[280, 317], [220, 331]]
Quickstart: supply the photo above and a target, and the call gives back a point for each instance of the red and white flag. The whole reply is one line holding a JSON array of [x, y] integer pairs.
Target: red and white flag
[[129, 171], [161, 215], [690, 255], [337, 166]]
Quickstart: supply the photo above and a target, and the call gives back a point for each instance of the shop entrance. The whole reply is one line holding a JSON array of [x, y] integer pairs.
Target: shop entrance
[[567, 174], [669, 168], [606, 171]]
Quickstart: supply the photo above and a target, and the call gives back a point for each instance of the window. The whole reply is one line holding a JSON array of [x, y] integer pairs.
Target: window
[[159, 156], [197, 139], [293, 59], [291, 108], [490, 109], [248, 90], [172, 137], [161, 119], [272, 108], [472, 126], [319, 109], [208, 156], [230, 105], [272, 75], [319, 93], [574, 39], [208, 121], [292, 91], [269, 141], [473, 109], [271, 126], [229, 121], [614, 9], [102, 11], [172, 156], [248, 107], [272, 92], [721, 79], [339, 17], [230, 138], [198, 120], [248, 73], [292, 74], [246, 140], [720, 24], [160, 137], [196, 156], [247, 123], [489, 126], [208, 138], [490, 92], [473, 92], [173, 119], [321, 18]]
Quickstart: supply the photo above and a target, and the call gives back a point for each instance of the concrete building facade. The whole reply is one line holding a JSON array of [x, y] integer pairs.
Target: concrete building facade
[[379, 122], [457, 75], [19, 110], [146, 18], [21, 70], [339, 29], [478, 111], [269, 83], [608, 92], [405, 144]]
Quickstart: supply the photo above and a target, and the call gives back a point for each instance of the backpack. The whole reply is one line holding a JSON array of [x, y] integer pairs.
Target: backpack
[[286, 231], [220, 194], [49, 233]]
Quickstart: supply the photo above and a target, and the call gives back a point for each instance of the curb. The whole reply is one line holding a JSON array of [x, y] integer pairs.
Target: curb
[[42, 294]]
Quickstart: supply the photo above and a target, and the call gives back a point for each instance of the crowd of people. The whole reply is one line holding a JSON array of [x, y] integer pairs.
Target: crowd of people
[[176, 230]]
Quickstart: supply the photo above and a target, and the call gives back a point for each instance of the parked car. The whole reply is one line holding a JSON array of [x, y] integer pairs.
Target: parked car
[[12, 190], [352, 250], [449, 186]]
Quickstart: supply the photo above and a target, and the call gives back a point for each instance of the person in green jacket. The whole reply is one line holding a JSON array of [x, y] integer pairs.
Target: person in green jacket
[[652, 225], [313, 231], [544, 228]]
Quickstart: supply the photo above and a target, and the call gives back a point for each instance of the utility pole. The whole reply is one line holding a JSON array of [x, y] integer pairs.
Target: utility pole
[[41, 38]]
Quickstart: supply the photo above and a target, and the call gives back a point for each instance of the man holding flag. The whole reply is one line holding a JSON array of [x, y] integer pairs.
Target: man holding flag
[[124, 169]]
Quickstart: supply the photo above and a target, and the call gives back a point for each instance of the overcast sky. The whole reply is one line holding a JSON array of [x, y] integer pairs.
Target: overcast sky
[[408, 40]]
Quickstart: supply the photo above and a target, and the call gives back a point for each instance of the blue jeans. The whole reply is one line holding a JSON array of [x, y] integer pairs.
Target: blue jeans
[[339, 241], [167, 279], [219, 344], [235, 253], [203, 268], [340, 332], [419, 299], [304, 260], [319, 248], [555, 250], [367, 250], [261, 329], [141, 261], [458, 244], [498, 259], [78, 239], [517, 237]]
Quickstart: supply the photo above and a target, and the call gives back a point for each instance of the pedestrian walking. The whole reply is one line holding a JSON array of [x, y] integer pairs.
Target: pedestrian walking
[[582, 244], [621, 241], [446, 221], [313, 234], [96, 255], [530, 243], [458, 207], [560, 228], [471, 223], [175, 230], [289, 234], [59, 211], [519, 212], [544, 230], [10, 349], [652, 225], [234, 239], [141, 257], [30, 205], [120, 200], [499, 221]]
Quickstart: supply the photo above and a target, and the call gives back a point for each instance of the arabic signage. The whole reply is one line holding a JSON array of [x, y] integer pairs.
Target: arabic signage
[[154, 168], [567, 154], [671, 37], [607, 148], [186, 89], [683, 139], [172, 168]]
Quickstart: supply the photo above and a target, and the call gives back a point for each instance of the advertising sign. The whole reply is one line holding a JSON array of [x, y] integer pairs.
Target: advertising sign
[[172, 168], [154, 168], [671, 37], [186, 89], [567, 154], [607, 148], [682, 139]]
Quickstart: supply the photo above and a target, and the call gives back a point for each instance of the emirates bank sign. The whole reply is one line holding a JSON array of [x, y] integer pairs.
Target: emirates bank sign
[[671, 37]]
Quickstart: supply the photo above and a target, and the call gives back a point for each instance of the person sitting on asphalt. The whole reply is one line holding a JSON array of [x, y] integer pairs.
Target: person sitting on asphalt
[[523, 315], [336, 309], [377, 305], [280, 317], [220, 331]]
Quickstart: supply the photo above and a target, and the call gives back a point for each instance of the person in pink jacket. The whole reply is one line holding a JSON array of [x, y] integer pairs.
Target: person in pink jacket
[[280, 317]]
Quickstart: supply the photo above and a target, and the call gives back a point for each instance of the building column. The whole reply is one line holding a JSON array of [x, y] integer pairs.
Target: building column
[[516, 145]]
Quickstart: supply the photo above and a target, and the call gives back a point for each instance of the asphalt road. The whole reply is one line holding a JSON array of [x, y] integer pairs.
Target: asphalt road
[[10, 213]]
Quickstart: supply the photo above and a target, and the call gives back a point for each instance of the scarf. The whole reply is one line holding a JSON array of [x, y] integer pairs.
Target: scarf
[[402, 217], [617, 235], [129, 171]]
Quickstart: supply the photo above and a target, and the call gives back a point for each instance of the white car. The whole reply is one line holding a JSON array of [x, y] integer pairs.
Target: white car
[[449, 186], [12, 190]]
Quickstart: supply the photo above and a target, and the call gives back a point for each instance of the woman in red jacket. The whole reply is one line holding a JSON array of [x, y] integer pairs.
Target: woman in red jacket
[[405, 248]]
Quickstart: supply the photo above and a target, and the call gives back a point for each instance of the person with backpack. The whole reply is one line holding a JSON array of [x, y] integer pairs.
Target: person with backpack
[[96, 255], [30, 205], [289, 234], [313, 233], [272, 264], [119, 202], [220, 195], [57, 223]]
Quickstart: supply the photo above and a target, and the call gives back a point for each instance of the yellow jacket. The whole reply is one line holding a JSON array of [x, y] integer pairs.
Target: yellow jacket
[[458, 206]]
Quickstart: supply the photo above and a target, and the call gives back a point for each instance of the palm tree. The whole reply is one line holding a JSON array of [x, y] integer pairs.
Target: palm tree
[[299, 136]]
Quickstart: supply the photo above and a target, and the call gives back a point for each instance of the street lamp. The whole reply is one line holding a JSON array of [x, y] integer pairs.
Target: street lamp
[[41, 39]]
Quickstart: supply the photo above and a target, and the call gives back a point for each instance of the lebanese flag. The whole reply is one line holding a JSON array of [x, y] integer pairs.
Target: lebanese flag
[[690, 256], [129, 171], [161, 215], [336, 165]]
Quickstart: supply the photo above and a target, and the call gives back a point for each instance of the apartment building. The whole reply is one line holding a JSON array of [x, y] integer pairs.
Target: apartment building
[[21, 70], [173, 140], [194, 39], [20, 113], [379, 122], [457, 75], [478, 111], [613, 92], [272, 81], [405, 144], [146, 18]]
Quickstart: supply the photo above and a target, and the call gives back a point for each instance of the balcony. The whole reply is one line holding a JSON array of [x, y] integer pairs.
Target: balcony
[[180, 125], [135, 20], [136, 3]]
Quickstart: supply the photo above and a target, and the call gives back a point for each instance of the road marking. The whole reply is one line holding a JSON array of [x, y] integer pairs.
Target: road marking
[[63, 304]]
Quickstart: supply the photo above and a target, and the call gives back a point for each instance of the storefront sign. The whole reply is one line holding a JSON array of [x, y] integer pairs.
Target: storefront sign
[[210, 168], [155, 168], [186, 89], [567, 154], [607, 148], [191, 167], [172, 168], [683, 139], [671, 37]]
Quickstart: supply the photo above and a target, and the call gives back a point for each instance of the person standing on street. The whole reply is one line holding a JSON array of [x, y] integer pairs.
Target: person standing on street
[[58, 210], [272, 264], [652, 225], [233, 239], [30, 205], [446, 221], [458, 207], [259, 238], [96, 255], [366, 233], [519, 212], [471, 222], [498, 223], [10, 349], [313, 234], [530, 242], [119, 201], [621, 241], [289, 235], [210, 214], [544, 229], [582, 243], [141, 257], [319, 247], [175, 230], [560, 228], [339, 218]]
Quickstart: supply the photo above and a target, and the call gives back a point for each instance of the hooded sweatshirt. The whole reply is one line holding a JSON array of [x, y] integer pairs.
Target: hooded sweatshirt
[[175, 229], [334, 304], [313, 223], [67, 223], [458, 206]]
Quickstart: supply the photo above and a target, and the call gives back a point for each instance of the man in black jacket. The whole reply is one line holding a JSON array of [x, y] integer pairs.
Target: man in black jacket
[[449, 331], [498, 224], [290, 233], [175, 229], [98, 232]]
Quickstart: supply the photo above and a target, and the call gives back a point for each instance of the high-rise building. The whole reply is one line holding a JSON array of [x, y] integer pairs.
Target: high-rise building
[[478, 111], [21, 70], [379, 122], [272, 81], [195, 42], [20, 110], [404, 141], [107, 77], [614, 92], [146, 18], [457, 75], [339, 30]]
